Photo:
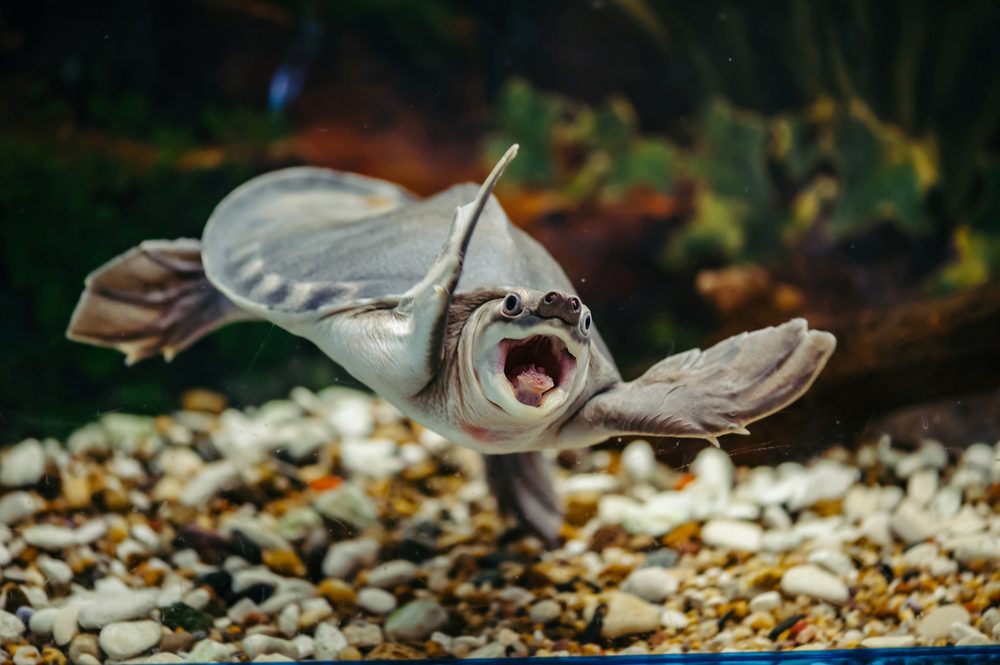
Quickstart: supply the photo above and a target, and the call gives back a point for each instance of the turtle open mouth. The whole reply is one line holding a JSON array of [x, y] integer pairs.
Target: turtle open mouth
[[535, 365]]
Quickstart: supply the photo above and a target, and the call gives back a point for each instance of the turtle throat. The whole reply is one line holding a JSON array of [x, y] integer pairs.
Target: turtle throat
[[535, 365]]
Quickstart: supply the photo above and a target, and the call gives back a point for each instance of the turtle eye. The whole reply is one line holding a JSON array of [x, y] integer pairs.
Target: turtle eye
[[512, 304], [585, 323]]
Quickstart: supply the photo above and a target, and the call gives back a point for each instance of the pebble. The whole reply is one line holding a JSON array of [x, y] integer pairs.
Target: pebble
[[210, 651], [362, 634], [714, 470], [416, 620], [674, 619], [288, 620], [392, 573], [922, 486], [27, 655], [329, 641], [376, 601], [627, 615], [57, 572], [348, 503], [810, 580], [964, 635], [376, 458], [16, 506], [545, 611], [11, 627], [23, 464], [765, 602], [834, 561], [936, 623], [638, 460], [652, 584], [129, 638], [49, 537], [116, 607], [258, 645], [211, 480], [911, 523], [346, 557], [65, 626], [733, 535]]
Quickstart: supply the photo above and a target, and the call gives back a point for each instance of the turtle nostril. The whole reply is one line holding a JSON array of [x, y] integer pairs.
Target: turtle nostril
[[549, 298], [575, 304]]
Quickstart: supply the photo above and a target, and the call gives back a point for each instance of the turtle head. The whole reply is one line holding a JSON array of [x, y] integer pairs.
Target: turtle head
[[530, 351]]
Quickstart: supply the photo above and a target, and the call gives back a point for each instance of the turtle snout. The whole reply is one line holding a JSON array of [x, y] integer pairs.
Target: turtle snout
[[561, 306]]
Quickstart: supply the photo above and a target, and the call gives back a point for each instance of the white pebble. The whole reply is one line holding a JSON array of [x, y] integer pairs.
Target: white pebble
[[835, 561], [936, 623], [344, 558], [765, 602], [810, 580], [329, 641], [733, 535], [49, 537], [639, 461], [888, 642], [653, 584], [23, 464], [674, 619], [256, 645], [376, 601], [211, 480], [392, 573], [288, 620], [130, 638], [911, 523], [921, 486], [545, 611]]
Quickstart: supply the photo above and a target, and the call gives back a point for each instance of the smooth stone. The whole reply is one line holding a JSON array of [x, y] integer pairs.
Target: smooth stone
[[27, 655], [346, 557], [288, 620], [590, 483], [329, 641], [376, 601], [835, 561], [362, 634], [416, 620], [49, 537], [911, 523], [41, 622], [674, 619], [780, 541], [638, 460], [516, 596], [545, 611], [129, 638], [966, 549], [713, 469], [627, 615], [23, 464], [65, 626], [211, 480], [889, 642], [210, 651], [875, 527], [964, 635], [920, 555], [256, 645], [348, 503], [306, 646], [860, 501], [765, 602], [375, 458], [491, 650], [921, 486], [11, 627], [159, 658], [56, 571], [116, 607], [776, 518], [810, 580], [936, 623], [652, 584], [392, 573], [733, 535], [272, 658]]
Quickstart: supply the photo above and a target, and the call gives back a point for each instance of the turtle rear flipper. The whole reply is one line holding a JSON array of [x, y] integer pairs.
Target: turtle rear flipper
[[153, 299], [522, 485]]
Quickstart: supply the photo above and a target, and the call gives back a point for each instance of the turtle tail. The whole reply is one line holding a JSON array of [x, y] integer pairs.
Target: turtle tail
[[153, 299]]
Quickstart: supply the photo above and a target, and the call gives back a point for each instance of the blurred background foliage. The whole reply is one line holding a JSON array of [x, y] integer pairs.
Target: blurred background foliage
[[841, 156]]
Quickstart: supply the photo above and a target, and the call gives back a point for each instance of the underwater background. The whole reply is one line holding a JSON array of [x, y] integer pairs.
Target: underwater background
[[697, 168]]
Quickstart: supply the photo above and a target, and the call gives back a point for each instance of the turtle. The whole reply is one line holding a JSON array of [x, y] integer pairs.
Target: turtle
[[447, 310]]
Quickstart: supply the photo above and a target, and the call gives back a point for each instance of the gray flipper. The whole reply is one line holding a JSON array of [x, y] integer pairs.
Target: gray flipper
[[705, 394], [522, 485], [153, 299]]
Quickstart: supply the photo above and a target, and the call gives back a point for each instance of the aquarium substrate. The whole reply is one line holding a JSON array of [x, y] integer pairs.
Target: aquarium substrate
[[327, 526]]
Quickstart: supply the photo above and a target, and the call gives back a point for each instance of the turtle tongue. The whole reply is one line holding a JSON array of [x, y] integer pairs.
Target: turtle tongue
[[530, 384]]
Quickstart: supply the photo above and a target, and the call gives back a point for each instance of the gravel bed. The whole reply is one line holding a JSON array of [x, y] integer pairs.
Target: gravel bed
[[327, 526]]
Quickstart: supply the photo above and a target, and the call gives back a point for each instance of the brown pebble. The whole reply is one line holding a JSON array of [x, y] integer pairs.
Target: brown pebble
[[606, 536], [581, 508], [683, 537], [206, 401], [338, 592], [349, 653], [393, 651], [180, 640], [284, 562], [53, 656]]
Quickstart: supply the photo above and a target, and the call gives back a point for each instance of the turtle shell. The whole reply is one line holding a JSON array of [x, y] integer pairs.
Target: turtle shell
[[299, 242]]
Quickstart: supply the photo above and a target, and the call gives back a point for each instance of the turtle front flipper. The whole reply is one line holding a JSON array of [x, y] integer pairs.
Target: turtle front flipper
[[705, 394], [153, 299], [522, 485]]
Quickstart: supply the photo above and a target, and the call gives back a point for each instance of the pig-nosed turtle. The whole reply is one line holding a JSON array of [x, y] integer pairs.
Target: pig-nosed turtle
[[478, 336]]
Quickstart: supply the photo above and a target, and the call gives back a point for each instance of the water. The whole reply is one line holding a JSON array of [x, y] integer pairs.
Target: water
[[696, 170]]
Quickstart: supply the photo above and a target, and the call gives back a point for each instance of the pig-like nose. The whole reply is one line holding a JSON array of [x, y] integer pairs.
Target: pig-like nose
[[561, 306]]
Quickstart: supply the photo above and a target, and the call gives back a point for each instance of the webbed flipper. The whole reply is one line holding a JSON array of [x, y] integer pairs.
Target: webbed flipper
[[522, 485], [153, 299], [425, 305], [705, 394]]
